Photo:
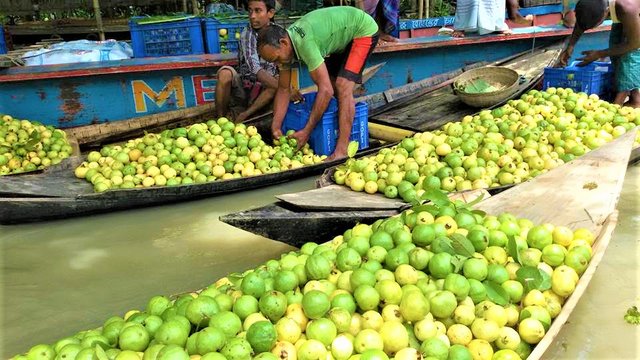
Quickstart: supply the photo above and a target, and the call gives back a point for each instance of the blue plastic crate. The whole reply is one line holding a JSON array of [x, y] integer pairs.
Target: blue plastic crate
[[324, 136], [595, 78], [3, 44], [181, 37], [219, 44]]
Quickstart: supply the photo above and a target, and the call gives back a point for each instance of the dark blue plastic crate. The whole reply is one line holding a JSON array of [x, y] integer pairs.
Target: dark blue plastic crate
[[181, 37], [595, 78], [3, 44], [219, 44], [324, 136]]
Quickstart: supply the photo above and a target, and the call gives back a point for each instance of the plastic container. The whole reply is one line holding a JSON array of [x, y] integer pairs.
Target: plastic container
[[181, 37], [3, 44], [324, 136], [217, 43], [595, 78]]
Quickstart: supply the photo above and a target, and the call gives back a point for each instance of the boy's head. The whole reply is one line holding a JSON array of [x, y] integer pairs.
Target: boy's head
[[260, 13], [274, 45], [591, 13]]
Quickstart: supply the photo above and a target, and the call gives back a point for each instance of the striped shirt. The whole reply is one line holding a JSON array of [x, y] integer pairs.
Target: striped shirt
[[250, 61]]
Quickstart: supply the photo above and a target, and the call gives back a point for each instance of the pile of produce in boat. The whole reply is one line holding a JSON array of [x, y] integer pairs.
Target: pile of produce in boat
[[28, 146], [196, 154], [439, 281], [504, 146]]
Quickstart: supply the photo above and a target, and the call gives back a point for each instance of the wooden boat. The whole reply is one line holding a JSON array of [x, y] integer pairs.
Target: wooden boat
[[57, 193], [327, 211], [75, 95]]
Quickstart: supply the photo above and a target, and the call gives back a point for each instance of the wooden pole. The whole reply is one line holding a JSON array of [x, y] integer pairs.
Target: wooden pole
[[427, 7], [184, 6], [194, 4], [98, 15], [420, 8]]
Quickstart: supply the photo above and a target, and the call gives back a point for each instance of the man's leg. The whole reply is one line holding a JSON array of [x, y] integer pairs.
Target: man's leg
[[264, 98], [513, 10], [223, 91], [346, 112]]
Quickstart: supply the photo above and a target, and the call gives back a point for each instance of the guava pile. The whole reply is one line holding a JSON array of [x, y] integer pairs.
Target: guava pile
[[440, 281], [27, 146], [216, 150], [504, 146]]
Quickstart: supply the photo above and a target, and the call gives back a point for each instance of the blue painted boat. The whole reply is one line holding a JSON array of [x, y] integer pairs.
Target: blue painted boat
[[115, 93]]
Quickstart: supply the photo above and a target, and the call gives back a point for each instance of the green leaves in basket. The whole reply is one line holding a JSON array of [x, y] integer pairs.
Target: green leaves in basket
[[478, 86]]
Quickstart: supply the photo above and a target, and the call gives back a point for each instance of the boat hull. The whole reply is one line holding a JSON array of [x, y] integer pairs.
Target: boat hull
[[82, 94]]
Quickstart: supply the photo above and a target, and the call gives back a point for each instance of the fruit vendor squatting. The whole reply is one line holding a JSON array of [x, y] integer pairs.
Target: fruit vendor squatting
[[335, 44], [253, 85], [624, 43]]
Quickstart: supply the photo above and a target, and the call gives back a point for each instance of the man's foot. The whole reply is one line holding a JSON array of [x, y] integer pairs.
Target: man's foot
[[457, 34], [505, 32], [337, 155], [387, 38], [523, 20]]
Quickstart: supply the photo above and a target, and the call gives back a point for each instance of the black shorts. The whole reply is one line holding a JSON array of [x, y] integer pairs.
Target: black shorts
[[350, 62]]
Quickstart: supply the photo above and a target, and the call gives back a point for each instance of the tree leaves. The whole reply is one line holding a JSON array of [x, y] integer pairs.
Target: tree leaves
[[461, 245], [512, 249], [533, 278], [496, 293]]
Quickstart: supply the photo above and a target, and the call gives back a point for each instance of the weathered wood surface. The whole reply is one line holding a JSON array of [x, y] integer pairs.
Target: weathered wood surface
[[579, 194], [434, 109], [104, 132], [338, 197]]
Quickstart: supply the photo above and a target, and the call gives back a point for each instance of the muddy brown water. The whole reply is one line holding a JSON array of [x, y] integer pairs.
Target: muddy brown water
[[61, 277]]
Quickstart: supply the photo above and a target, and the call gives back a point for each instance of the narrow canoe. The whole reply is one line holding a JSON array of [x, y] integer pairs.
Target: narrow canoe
[[328, 211]]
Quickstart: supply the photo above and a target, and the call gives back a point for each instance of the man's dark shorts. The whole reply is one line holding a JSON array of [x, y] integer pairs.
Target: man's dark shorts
[[350, 63]]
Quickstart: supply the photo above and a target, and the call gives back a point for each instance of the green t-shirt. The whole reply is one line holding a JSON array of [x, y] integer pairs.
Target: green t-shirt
[[329, 30]]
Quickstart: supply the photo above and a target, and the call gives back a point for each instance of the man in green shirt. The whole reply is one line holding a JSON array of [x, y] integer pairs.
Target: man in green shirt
[[334, 43]]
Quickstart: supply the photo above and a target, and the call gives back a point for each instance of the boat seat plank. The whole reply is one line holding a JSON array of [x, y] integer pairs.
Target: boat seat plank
[[337, 197], [575, 204]]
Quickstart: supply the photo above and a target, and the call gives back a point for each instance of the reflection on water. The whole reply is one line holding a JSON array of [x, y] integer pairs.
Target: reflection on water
[[65, 276]]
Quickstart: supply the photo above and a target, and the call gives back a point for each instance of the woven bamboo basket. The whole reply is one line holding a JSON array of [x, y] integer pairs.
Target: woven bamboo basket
[[504, 79]]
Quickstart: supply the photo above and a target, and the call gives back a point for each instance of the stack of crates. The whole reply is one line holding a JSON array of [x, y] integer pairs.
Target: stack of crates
[[324, 136], [223, 36], [169, 38], [595, 78]]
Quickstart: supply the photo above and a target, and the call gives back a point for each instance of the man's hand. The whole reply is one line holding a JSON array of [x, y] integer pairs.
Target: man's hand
[[569, 19], [301, 136], [565, 55], [241, 117], [295, 95], [589, 56], [276, 133]]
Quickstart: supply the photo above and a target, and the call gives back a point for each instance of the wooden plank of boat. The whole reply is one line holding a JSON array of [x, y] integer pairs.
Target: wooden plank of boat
[[337, 197], [540, 191], [582, 206], [444, 106], [295, 226]]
